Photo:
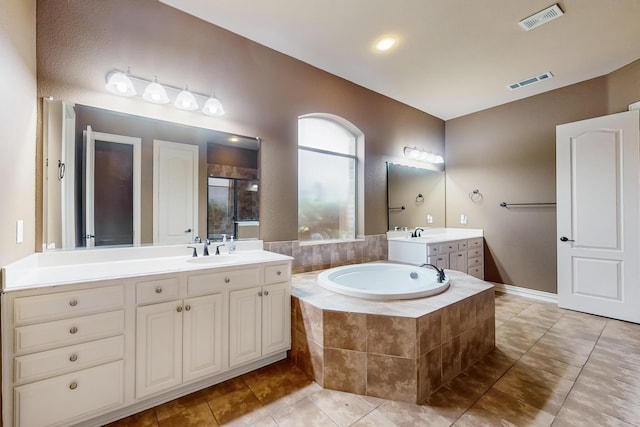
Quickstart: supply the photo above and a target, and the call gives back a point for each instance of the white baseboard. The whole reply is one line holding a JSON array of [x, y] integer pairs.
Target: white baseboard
[[526, 292]]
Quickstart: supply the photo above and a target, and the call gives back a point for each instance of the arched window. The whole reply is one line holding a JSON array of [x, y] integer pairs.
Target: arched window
[[328, 168]]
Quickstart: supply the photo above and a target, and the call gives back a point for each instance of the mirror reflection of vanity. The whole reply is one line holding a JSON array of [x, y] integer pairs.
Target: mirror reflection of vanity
[[115, 179], [415, 197]]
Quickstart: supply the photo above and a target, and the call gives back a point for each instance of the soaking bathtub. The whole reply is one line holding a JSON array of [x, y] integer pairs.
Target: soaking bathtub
[[383, 281]]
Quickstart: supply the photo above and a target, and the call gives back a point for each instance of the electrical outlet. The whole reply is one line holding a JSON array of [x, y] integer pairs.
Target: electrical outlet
[[463, 219]]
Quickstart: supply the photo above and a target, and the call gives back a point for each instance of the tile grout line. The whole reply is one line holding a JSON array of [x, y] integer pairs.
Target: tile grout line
[[510, 366]]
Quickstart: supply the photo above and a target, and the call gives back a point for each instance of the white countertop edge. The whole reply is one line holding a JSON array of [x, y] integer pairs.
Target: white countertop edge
[[435, 235], [27, 274]]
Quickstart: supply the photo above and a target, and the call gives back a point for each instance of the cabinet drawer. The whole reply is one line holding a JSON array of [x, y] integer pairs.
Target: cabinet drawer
[[477, 271], [448, 247], [472, 262], [475, 243], [59, 305], [44, 364], [276, 273], [59, 400], [477, 252], [462, 245], [433, 250], [157, 291], [59, 333], [206, 283]]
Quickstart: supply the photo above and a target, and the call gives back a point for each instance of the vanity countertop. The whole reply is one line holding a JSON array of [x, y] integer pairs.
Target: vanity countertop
[[435, 235], [63, 268]]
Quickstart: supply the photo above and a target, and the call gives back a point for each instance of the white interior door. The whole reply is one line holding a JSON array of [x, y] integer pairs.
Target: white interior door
[[117, 171], [598, 235], [175, 196]]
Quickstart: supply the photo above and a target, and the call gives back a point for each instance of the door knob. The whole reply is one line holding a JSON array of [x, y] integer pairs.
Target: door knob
[[566, 239], [188, 230]]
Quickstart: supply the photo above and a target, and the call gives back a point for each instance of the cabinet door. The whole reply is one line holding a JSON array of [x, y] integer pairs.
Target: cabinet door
[[202, 336], [245, 317], [458, 261], [276, 318], [158, 347]]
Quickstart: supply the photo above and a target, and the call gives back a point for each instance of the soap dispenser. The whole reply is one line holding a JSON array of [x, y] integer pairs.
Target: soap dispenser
[[232, 246]]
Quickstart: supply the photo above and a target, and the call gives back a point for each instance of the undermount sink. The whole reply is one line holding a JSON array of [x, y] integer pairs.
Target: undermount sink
[[214, 259]]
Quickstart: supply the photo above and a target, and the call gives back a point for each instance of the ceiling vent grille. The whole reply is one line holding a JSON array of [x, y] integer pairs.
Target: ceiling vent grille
[[542, 17], [530, 80]]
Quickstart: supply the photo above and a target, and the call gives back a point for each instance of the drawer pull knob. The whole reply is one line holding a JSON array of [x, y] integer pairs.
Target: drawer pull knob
[[227, 280], [73, 385], [179, 308], [158, 290], [279, 273], [187, 307], [259, 293], [73, 330], [266, 293], [73, 358], [73, 302]]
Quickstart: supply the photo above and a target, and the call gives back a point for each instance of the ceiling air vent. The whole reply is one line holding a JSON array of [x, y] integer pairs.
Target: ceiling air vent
[[542, 17], [530, 80]]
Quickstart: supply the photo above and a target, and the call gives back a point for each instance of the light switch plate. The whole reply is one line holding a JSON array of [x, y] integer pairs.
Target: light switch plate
[[463, 219], [19, 231]]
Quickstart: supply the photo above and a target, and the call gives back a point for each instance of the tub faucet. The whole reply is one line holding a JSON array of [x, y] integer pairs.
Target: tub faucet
[[440, 271], [417, 232]]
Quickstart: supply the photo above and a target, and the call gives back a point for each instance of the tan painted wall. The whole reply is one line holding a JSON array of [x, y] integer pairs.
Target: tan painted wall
[[18, 109], [263, 92], [624, 87], [508, 152]]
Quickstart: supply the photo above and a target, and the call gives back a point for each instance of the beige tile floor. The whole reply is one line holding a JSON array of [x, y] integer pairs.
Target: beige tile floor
[[550, 367]]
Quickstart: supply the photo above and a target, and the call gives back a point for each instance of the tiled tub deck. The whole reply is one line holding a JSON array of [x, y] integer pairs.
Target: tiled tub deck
[[398, 350]]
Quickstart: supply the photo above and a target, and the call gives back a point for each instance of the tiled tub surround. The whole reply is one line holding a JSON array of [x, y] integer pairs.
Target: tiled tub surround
[[398, 350], [320, 256]]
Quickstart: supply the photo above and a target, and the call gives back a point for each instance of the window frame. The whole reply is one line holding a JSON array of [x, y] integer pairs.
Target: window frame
[[358, 187]]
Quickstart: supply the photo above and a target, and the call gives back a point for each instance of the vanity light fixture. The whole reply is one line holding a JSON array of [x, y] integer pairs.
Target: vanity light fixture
[[213, 107], [124, 84], [414, 153], [186, 101], [155, 93], [119, 83]]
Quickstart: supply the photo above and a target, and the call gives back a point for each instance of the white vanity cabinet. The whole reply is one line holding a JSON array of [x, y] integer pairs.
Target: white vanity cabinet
[[69, 351], [260, 317], [89, 353], [448, 252]]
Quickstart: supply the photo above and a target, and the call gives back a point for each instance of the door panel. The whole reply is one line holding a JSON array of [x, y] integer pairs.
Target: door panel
[[112, 189], [597, 170], [175, 199], [598, 234]]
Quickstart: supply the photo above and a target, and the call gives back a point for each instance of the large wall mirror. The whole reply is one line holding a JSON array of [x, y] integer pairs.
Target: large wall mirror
[[415, 197], [115, 179]]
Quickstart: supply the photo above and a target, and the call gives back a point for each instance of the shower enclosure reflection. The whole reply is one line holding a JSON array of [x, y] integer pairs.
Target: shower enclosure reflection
[[232, 208]]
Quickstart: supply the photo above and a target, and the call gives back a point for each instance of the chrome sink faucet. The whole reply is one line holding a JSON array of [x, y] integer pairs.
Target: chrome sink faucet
[[205, 251], [218, 248]]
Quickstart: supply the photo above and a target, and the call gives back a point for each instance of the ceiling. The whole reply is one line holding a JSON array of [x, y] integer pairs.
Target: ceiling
[[454, 57]]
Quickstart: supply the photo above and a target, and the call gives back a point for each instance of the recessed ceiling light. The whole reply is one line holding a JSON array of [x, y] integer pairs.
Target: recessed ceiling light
[[386, 43]]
